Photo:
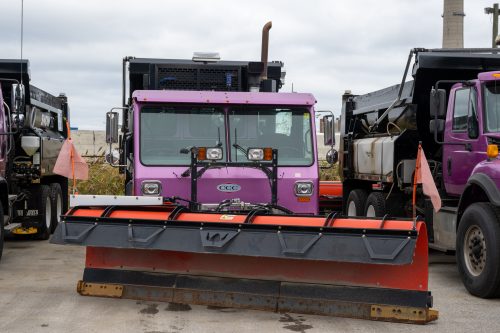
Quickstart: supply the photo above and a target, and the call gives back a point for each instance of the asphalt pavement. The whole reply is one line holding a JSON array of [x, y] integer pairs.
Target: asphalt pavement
[[38, 294]]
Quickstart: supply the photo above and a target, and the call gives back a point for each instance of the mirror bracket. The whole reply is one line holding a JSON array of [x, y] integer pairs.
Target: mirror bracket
[[112, 135]]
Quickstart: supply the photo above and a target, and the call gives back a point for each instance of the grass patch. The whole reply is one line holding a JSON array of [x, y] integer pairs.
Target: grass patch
[[103, 179], [329, 173]]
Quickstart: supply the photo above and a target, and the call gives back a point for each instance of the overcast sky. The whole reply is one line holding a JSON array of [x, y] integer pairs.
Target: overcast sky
[[327, 46]]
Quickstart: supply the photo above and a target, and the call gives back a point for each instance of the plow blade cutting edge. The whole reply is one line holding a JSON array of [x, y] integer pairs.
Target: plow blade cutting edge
[[361, 268]]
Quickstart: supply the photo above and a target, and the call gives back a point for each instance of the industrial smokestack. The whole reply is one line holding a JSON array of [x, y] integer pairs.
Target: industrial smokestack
[[453, 24], [265, 47]]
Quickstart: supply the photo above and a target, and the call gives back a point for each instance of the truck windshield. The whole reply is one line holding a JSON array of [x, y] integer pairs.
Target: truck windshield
[[492, 106], [165, 130], [286, 129]]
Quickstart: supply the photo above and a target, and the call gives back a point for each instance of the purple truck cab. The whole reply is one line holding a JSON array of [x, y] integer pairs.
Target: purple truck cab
[[469, 221], [167, 124], [472, 122]]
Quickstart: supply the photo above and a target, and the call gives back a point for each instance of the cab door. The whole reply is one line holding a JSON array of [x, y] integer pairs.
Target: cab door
[[462, 148]]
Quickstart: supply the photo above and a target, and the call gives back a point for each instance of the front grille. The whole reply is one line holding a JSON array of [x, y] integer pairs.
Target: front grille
[[218, 79], [177, 78], [192, 78]]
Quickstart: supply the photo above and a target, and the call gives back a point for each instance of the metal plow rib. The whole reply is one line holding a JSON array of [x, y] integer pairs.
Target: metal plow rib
[[361, 268]]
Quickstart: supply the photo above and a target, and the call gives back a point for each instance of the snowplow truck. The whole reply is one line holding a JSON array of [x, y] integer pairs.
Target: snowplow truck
[[222, 210], [452, 107], [31, 135]]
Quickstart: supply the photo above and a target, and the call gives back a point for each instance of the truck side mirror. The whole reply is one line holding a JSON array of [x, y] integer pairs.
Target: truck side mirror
[[18, 97], [437, 105], [329, 131], [112, 156], [436, 126], [112, 119], [332, 156]]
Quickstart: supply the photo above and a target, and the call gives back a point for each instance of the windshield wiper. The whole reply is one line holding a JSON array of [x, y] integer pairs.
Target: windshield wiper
[[186, 150], [219, 143], [237, 146], [240, 148]]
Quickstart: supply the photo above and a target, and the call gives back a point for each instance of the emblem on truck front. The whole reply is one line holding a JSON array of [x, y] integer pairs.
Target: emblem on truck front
[[228, 187]]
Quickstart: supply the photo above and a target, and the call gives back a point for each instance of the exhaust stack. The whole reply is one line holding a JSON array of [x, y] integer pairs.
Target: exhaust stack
[[265, 47], [266, 85]]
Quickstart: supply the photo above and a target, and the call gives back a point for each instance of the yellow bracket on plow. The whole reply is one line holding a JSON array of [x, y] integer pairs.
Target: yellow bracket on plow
[[99, 289], [403, 314]]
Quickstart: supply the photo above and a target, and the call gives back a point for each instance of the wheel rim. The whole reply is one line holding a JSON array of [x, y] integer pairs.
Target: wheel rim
[[48, 213], [58, 208], [370, 211], [474, 250], [351, 209]]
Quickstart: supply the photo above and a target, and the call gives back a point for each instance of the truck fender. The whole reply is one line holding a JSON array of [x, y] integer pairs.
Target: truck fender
[[480, 187]]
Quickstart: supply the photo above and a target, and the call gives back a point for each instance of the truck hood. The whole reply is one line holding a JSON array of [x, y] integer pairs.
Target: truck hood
[[491, 168]]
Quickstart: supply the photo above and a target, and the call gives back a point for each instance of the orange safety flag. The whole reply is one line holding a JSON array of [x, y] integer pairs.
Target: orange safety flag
[[69, 162], [423, 176]]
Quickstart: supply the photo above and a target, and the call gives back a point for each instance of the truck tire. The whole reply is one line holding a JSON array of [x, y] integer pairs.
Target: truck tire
[[57, 202], [45, 211], [2, 231], [375, 205], [478, 249], [356, 200]]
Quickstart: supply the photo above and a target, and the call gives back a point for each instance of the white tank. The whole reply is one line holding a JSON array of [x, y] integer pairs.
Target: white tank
[[30, 144], [374, 158]]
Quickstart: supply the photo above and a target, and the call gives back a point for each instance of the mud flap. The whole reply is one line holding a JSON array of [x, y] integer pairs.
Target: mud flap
[[28, 210]]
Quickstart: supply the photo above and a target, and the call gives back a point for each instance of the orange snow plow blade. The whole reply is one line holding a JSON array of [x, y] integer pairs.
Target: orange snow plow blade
[[360, 268]]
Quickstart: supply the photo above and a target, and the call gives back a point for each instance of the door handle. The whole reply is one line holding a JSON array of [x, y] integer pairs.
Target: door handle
[[448, 164], [468, 147]]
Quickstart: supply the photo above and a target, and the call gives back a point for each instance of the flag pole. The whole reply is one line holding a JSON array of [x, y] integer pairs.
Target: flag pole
[[415, 180], [71, 158]]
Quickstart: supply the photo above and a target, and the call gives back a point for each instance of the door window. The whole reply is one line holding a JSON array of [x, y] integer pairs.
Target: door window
[[461, 110]]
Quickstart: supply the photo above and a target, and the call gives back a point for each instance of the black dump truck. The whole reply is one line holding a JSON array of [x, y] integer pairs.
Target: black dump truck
[[32, 132]]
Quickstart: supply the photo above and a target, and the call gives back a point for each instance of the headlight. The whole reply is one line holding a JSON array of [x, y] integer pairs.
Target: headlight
[[255, 154], [260, 154], [209, 154], [151, 187], [214, 154], [303, 189]]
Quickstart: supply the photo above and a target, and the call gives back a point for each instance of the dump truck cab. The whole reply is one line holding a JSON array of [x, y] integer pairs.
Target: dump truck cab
[[235, 134], [472, 123], [217, 136]]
